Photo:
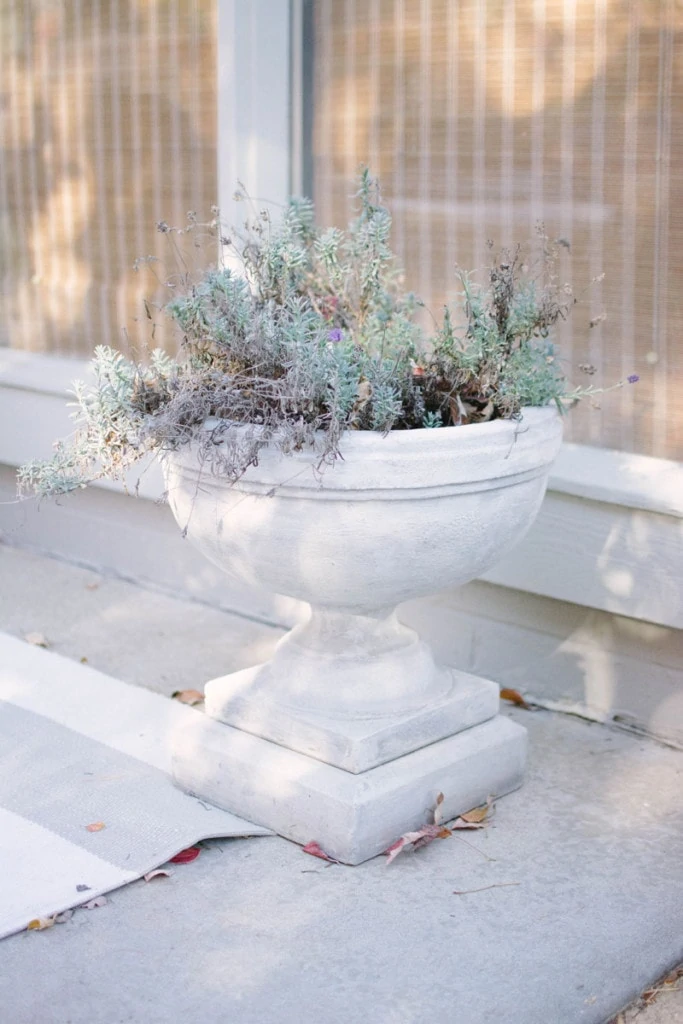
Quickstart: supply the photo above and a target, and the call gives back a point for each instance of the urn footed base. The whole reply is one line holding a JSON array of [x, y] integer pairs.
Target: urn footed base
[[352, 816], [352, 690], [358, 740]]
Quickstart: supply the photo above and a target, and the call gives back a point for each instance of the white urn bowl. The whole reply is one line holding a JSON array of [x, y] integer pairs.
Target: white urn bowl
[[349, 733]]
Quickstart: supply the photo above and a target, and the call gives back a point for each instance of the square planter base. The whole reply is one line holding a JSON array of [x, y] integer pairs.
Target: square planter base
[[352, 816], [354, 742]]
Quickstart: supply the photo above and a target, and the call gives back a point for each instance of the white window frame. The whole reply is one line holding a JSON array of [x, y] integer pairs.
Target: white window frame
[[610, 534]]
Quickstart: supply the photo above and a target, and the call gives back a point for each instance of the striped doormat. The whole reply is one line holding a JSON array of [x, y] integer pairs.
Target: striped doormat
[[86, 800]]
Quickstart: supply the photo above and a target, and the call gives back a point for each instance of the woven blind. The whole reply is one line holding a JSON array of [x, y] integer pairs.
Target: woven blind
[[483, 117], [107, 125]]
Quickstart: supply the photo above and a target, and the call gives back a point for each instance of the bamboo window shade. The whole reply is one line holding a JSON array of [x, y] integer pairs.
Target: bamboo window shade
[[107, 126], [483, 118]]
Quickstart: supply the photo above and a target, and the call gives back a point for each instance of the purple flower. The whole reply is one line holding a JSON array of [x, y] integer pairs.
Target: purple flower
[[335, 334], [633, 379]]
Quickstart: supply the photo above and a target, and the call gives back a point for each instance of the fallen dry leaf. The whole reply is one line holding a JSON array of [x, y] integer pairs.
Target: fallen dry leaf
[[159, 873], [316, 850], [458, 410], [95, 826], [82, 888], [423, 836], [514, 698], [65, 916], [39, 924], [459, 825], [190, 697], [99, 901], [670, 983], [476, 818], [37, 639], [477, 814], [84, 660], [185, 856]]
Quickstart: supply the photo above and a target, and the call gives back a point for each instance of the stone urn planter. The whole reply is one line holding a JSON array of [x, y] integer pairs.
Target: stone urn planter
[[348, 734]]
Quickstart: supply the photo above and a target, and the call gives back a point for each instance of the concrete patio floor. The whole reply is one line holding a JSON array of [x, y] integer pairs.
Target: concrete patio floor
[[256, 932]]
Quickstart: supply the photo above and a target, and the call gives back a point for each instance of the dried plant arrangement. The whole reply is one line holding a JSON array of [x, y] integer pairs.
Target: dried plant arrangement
[[304, 333]]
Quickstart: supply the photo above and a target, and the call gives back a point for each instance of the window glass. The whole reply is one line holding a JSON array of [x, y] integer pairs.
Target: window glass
[[483, 117], [107, 126]]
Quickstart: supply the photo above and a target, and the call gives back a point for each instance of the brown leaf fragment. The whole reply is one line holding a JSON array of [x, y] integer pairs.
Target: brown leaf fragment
[[39, 924], [316, 850], [82, 888], [95, 826], [460, 824], [65, 916], [670, 983], [159, 873], [474, 817], [190, 697], [478, 814], [84, 660], [38, 640], [487, 412], [458, 410], [514, 698], [438, 809]]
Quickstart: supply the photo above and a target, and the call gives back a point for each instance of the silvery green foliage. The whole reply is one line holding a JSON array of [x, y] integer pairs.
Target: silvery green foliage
[[110, 430], [310, 336]]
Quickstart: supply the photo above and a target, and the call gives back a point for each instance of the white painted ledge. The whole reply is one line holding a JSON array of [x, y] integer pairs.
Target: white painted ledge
[[619, 478], [609, 536], [41, 373]]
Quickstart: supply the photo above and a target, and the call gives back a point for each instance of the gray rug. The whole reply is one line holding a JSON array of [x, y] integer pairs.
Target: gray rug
[[86, 800]]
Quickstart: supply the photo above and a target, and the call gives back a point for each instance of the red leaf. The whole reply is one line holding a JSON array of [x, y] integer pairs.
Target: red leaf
[[185, 856], [425, 835], [316, 851]]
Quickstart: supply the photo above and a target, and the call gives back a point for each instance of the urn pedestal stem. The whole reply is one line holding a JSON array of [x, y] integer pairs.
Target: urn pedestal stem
[[353, 691]]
